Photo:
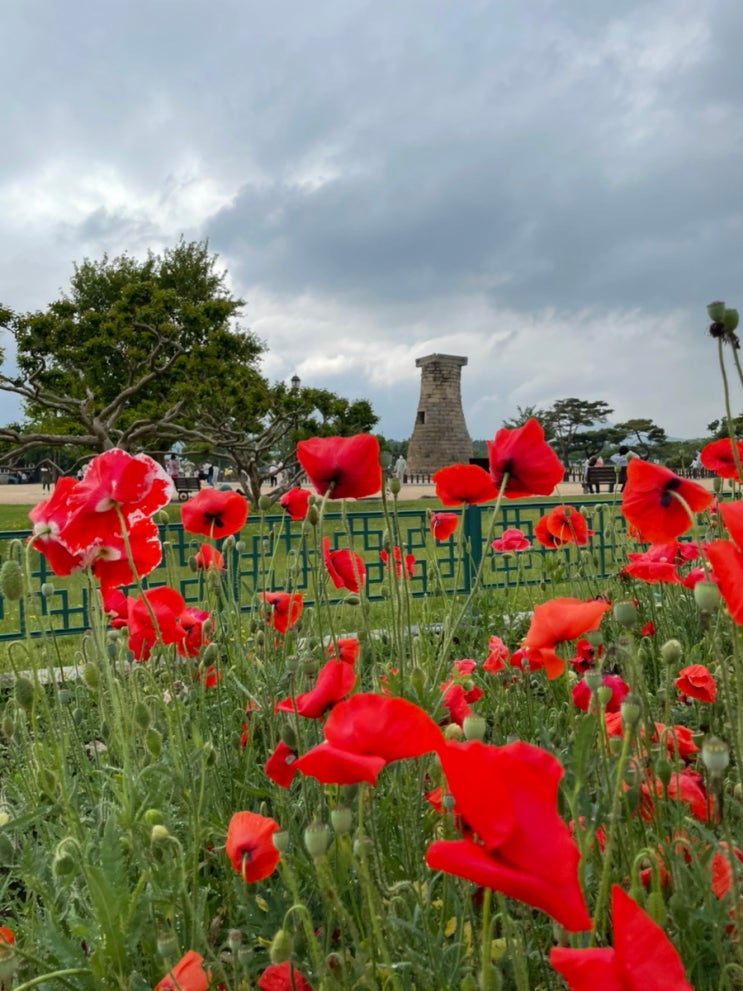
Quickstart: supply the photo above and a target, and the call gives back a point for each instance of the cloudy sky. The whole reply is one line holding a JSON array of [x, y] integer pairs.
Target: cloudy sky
[[553, 188]]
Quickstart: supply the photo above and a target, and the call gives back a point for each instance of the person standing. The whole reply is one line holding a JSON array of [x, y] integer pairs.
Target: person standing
[[401, 466]]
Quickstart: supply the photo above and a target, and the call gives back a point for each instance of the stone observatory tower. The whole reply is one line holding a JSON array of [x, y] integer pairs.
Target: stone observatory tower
[[440, 434]]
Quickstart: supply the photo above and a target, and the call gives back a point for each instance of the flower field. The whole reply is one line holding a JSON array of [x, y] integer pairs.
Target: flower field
[[293, 797]]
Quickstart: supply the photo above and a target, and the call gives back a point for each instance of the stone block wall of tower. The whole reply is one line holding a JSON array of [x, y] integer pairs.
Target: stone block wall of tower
[[440, 436]]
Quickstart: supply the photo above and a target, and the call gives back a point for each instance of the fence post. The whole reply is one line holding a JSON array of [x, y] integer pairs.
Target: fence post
[[472, 544]]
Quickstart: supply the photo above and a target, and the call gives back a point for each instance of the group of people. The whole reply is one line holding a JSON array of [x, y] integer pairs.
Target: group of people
[[620, 459], [208, 472]]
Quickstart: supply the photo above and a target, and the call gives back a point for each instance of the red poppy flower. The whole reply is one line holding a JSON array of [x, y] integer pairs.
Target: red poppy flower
[[209, 678], [456, 700], [726, 559], [345, 649], [334, 681], [497, 656], [214, 513], [648, 630], [346, 569], [562, 525], [346, 467], [249, 845], [163, 604], [443, 525], [557, 620], [209, 557], [397, 556], [114, 482], [187, 975], [718, 457], [285, 609], [532, 466], [581, 693], [194, 624], [49, 518], [283, 977], [296, 503], [696, 682], [656, 564], [388, 727], [280, 765], [684, 786], [109, 561], [456, 484], [511, 541], [586, 655], [334, 766], [649, 502], [524, 849], [696, 575], [641, 959]]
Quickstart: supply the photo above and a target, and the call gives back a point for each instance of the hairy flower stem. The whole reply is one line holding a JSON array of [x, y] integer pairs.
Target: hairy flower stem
[[611, 840]]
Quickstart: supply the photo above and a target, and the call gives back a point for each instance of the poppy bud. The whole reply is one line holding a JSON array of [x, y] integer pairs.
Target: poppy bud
[[664, 770], [7, 727], [211, 653], [730, 320], [362, 846], [474, 727], [631, 710], [625, 613], [193, 564], [282, 946], [91, 676], [63, 864], [281, 840], [341, 819], [228, 543], [239, 546], [706, 596], [316, 839], [234, 939], [352, 599], [453, 731], [715, 756], [167, 945], [395, 485], [11, 580], [153, 817], [448, 801], [47, 590], [47, 782], [264, 503], [153, 742], [716, 310], [159, 834], [141, 715], [210, 754], [24, 693], [671, 652], [656, 908], [313, 515]]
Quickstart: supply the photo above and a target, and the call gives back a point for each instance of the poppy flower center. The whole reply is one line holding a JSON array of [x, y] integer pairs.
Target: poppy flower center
[[666, 495], [214, 518]]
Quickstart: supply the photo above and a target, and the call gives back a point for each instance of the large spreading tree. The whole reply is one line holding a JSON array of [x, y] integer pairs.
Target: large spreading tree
[[141, 354]]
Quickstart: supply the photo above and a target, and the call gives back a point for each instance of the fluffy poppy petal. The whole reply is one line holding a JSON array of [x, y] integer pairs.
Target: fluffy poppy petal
[[646, 956], [187, 975], [696, 682], [284, 609], [718, 457], [732, 517], [457, 484], [347, 467], [727, 563], [296, 502], [511, 540], [649, 502], [589, 969], [334, 681], [532, 466], [345, 567], [563, 619]]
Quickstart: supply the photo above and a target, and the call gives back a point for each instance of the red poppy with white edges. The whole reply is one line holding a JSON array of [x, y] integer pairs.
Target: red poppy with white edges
[[443, 525], [457, 484], [49, 518], [296, 503], [284, 609], [523, 455], [345, 467], [656, 503], [114, 483], [250, 846], [214, 513], [718, 457]]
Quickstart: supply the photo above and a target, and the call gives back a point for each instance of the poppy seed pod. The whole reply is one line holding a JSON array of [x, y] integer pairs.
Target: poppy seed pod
[[474, 727], [625, 613], [631, 710], [395, 485], [316, 839], [671, 652], [706, 596], [341, 819], [280, 840], [715, 756], [730, 320], [716, 310]]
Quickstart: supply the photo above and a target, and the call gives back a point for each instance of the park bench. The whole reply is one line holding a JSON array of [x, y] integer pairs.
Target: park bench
[[186, 485], [609, 475]]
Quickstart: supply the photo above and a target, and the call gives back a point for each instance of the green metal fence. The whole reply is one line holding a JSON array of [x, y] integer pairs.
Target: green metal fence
[[276, 554]]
